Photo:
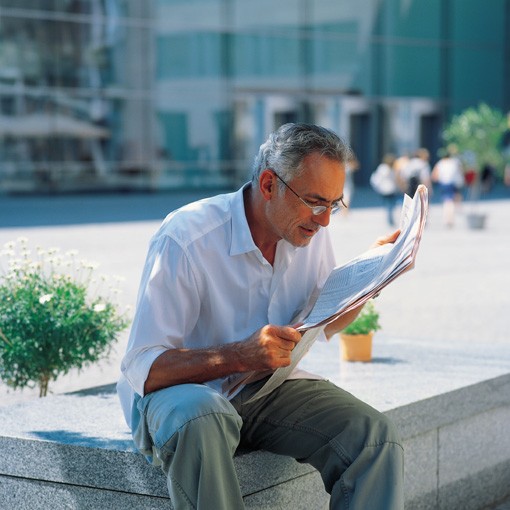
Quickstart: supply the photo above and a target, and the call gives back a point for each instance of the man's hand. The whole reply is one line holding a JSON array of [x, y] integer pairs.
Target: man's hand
[[269, 348], [391, 238], [266, 350]]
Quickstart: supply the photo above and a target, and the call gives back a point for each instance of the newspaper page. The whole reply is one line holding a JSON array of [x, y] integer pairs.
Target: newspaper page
[[353, 284]]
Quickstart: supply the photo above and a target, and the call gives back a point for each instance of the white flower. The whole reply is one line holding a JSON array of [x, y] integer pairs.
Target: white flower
[[45, 298], [57, 260], [86, 264], [99, 307], [15, 265]]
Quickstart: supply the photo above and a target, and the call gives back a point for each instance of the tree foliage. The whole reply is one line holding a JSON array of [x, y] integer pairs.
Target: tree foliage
[[477, 133]]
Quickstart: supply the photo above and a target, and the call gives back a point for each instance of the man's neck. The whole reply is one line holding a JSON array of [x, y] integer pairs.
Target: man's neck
[[261, 231]]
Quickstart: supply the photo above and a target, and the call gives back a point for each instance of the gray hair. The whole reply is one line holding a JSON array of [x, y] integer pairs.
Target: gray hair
[[285, 149]]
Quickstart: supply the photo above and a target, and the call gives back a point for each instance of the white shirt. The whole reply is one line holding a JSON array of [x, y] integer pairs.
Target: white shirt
[[205, 283], [449, 171], [384, 180]]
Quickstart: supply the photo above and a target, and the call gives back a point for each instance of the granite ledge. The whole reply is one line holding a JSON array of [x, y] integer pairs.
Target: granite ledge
[[81, 440]]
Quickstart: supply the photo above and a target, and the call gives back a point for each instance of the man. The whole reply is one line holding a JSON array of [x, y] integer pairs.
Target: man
[[225, 280], [449, 174], [416, 172]]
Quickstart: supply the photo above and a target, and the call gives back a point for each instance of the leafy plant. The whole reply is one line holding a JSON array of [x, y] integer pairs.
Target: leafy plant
[[366, 322], [48, 322], [477, 133]]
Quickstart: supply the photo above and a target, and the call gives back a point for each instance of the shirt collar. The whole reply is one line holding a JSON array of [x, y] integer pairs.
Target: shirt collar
[[242, 240]]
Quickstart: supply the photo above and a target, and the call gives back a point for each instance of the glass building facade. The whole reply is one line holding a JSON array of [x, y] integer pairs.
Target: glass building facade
[[173, 94]]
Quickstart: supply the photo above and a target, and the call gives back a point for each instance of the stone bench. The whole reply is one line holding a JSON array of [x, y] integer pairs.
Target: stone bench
[[74, 451], [452, 408]]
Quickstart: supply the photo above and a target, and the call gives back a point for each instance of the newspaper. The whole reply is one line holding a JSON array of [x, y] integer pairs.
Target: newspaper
[[353, 284]]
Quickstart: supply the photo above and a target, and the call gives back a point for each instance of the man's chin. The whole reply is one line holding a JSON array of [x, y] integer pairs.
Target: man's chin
[[303, 241], [302, 237]]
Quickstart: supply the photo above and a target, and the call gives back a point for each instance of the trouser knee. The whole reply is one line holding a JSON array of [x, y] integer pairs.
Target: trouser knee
[[383, 430], [204, 436], [377, 430], [192, 412], [364, 429]]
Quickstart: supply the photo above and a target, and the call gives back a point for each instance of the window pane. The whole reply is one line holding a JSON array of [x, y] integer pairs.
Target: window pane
[[477, 60], [411, 71]]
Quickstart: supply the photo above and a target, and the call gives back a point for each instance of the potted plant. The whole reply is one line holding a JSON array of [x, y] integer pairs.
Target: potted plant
[[356, 338], [54, 315], [478, 135]]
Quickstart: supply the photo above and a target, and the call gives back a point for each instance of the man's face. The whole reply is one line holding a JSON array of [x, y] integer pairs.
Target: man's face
[[320, 183]]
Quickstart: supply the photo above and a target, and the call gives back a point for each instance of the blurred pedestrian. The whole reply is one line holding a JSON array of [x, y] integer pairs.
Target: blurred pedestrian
[[487, 178], [417, 171], [384, 181], [506, 175], [448, 173], [351, 166]]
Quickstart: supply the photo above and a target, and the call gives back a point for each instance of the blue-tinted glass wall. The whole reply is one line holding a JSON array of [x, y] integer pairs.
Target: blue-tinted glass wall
[[173, 93]]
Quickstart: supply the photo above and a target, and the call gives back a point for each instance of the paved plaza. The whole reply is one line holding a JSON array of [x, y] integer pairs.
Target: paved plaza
[[456, 299]]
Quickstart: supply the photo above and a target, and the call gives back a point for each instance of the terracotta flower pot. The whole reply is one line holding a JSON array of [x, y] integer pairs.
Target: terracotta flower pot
[[356, 347]]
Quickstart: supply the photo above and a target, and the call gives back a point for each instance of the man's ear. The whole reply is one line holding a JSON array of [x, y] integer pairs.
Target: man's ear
[[267, 184]]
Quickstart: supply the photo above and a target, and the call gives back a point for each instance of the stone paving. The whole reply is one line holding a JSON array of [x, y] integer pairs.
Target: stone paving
[[456, 297]]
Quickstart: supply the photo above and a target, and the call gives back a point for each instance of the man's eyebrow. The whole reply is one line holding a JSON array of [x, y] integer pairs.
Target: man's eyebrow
[[319, 198]]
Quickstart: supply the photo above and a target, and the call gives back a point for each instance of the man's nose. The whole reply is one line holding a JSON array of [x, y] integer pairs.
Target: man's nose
[[322, 219]]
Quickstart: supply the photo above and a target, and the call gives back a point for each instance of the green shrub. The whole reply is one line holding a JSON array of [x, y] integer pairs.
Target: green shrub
[[49, 323], [366, 322]]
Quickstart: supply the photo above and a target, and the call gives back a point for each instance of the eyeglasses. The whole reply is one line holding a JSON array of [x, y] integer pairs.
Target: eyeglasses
[[317, 209]]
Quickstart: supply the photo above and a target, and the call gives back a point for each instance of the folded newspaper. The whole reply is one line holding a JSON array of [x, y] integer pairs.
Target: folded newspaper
[[352, 285]]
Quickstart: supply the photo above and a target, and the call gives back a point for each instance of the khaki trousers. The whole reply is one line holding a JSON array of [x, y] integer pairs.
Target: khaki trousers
[[195, 433]]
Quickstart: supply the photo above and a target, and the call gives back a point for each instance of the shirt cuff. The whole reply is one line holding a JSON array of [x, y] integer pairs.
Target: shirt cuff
[[136, 366]]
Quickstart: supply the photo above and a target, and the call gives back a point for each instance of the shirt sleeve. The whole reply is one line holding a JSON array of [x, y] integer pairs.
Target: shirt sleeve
[[167, 309]]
